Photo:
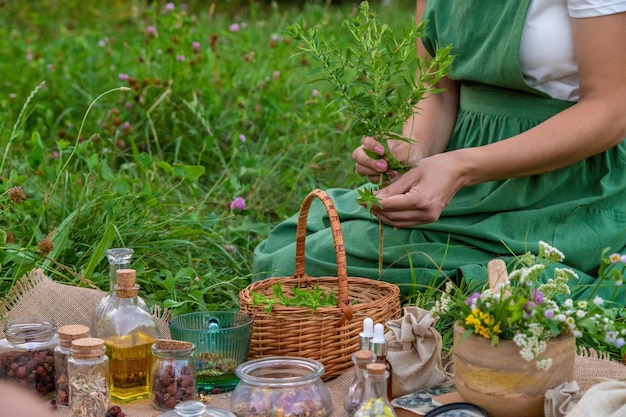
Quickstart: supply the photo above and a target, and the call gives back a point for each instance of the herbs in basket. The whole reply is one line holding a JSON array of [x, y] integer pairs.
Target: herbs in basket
[[531, 309], [313, 298]]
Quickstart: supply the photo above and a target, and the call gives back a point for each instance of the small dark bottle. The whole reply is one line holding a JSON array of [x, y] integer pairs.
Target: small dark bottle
[[378, 344]]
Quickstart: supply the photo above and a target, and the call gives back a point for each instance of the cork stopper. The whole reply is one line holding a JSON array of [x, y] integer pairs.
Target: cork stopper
[[126, 287], [363, 354], [168, 344], [87, 348], [71, 332], [376, 368]]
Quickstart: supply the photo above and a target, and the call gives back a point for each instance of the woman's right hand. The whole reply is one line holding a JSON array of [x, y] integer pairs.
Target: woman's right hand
[[372, 167]]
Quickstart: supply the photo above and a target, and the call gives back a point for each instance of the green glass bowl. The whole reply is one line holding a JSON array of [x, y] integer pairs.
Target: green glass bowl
[[222, 340]]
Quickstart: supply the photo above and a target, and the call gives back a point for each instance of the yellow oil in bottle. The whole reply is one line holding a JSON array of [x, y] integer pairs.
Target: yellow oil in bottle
[[130, 359]]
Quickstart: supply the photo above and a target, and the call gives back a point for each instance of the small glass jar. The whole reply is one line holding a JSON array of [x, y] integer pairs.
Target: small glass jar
[[375, 402], [61, 354], [173, 374], [356, 390], [88, 371], [27, 353], [196, 409], [281, 385]]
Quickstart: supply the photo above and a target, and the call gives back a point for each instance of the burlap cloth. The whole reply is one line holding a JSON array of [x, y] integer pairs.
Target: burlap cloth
[[37, 295]]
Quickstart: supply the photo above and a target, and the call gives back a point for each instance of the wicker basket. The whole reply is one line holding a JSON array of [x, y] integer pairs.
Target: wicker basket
[[330, 334]]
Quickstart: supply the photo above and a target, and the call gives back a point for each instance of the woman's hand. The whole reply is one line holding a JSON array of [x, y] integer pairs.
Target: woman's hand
[[406, 153], [420, 195]]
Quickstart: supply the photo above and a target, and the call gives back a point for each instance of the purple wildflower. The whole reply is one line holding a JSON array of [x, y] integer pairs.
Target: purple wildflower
[[611, 337], [549, 314], [151, 31], [238, 204], [169, 7], [232, 249], [123, 77], [620, 343], [234, 27], [471, 300], [195, 46], [537, 296], [242, 138], [180, 58]]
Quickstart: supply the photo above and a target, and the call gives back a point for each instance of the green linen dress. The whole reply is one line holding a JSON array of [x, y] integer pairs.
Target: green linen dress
[[580, 209]]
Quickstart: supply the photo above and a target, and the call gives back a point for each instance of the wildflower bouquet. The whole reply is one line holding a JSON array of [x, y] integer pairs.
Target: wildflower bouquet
[[530, 309]]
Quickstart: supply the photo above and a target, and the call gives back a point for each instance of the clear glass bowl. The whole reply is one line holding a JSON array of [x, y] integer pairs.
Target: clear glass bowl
[[281, 385]]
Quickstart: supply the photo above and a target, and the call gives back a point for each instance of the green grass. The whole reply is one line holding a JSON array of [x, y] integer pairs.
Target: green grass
[[155, 168]]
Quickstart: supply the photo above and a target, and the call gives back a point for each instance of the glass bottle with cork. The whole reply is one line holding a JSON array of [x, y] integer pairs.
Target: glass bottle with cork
[[356, 390], [375, 402], [88, 371], [129, 330], [62, 352], [378, 344], [119, 258]]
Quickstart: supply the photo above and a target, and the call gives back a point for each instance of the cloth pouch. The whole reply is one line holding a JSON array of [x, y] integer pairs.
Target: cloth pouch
[[414, 352], [561, 399], [605, 399]]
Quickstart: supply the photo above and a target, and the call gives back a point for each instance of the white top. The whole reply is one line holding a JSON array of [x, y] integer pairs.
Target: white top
[[547, 50]]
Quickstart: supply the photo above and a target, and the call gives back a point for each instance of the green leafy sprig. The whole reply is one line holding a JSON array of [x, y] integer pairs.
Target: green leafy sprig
[[374, 79], [304, 297]]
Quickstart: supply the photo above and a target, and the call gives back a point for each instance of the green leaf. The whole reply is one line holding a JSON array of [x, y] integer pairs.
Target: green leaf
[[35, 150]]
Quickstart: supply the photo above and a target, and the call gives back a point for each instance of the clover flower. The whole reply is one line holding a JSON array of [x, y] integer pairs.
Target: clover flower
[[16, 194], [238, 204]]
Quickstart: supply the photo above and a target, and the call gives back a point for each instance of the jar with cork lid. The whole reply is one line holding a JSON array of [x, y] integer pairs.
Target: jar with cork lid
[[62, 352], [173, 374], [128, 330], [88, 371], [375, 402]]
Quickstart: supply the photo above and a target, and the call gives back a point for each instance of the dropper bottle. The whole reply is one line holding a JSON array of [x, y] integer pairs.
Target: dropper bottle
[[378, 344], [366, 335]]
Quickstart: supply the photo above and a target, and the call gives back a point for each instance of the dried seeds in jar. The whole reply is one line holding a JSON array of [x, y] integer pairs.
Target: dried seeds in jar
[[88, 372], [61, 354], [27, 353], [173, 374]]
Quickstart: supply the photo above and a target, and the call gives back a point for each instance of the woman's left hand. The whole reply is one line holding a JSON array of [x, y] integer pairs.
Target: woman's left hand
[[420, 195]]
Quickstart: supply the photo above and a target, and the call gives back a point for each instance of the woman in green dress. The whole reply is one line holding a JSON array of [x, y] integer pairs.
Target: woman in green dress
[[526, 144]]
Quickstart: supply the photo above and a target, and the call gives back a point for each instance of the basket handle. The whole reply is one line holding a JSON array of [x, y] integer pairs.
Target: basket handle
[[343, 299]]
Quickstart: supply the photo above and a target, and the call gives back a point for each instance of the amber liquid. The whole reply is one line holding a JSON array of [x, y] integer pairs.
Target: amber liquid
[[130, 361]]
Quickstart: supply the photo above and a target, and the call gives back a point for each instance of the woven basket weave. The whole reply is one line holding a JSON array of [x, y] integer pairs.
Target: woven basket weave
[[330, 334]]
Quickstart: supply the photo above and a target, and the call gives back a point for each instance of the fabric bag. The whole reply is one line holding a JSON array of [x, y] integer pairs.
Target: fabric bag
[[606, 399], [414, 352]]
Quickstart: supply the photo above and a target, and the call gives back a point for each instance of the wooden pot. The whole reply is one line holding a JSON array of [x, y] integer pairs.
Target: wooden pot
[[503, 383]]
